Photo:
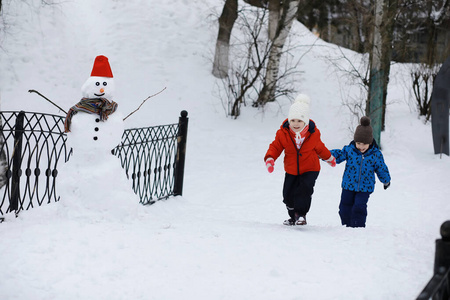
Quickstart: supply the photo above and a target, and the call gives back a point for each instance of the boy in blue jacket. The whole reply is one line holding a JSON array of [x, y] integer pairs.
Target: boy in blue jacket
[[364, 160]]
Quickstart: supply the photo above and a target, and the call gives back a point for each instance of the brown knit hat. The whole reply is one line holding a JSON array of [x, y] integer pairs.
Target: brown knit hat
[[363, 132]]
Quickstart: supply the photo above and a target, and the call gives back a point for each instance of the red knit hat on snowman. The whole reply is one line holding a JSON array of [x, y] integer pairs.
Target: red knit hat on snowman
[[101, 67]]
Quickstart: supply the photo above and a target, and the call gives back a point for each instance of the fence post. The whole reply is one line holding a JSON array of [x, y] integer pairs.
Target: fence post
[[442, 256], [181, 153], [16, 163], [439, 285]]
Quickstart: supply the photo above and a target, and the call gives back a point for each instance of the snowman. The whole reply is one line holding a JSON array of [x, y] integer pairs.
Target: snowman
[[93, 181]]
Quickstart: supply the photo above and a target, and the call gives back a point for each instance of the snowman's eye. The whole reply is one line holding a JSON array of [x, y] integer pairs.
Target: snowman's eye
[[97, 83], [105, 83]]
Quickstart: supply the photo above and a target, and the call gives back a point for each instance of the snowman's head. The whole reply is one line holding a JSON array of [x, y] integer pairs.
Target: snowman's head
[[98, 87], [101, 82]]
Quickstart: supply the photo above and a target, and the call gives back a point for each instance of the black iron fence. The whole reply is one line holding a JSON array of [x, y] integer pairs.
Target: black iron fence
[[153, 157], [33, 144], [438, 288]]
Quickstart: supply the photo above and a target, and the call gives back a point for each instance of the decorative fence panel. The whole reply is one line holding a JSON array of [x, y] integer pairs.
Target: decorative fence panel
[[153, 157], [33, 144]]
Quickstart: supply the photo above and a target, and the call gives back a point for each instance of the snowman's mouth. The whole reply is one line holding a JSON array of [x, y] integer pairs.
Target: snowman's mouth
[[99, 95]]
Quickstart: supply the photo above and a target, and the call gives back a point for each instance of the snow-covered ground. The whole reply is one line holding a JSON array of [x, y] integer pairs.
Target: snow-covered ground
[[224, 238]]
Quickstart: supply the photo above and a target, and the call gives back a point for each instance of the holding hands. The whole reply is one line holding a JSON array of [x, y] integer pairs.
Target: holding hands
[[270, 163], [331, 161]]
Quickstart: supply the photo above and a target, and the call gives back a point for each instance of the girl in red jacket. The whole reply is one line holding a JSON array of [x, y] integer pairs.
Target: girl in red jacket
[[300, 139]]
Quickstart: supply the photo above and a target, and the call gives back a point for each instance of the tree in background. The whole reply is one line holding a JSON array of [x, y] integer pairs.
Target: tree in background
[[422, 77], [385, 12], [246, 69], [389, 21], [419, 25], [406, 30], [226, 22], [429, 19], [437, 11], [280, 24], [343, 22], [250, 52], [255, 69]]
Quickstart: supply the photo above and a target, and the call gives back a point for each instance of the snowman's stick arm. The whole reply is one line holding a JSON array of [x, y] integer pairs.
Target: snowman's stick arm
[[144, 102], [34, 91]]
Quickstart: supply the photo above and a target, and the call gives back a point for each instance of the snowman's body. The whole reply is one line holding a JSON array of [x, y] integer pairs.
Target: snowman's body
[[93, 179], [90, 137]]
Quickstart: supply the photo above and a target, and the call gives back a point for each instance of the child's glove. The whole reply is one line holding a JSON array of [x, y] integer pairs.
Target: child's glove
[[270, 163], [331, 161], [386, 185]]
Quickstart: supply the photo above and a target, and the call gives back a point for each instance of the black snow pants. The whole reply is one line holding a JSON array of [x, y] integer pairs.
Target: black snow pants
[[297, 192]]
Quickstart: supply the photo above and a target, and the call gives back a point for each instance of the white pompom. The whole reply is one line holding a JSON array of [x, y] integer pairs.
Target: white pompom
[[302, 98]]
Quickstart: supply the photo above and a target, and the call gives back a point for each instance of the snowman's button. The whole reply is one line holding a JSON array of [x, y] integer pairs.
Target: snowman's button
[[97, 120], [95, 138], [96, 128]]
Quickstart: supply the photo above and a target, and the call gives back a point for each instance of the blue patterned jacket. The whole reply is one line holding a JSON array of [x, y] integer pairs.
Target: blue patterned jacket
[[360, 169]]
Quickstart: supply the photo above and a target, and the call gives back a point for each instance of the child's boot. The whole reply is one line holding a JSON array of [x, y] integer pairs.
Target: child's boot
[[301, 220], [289, 222], [293, 217]]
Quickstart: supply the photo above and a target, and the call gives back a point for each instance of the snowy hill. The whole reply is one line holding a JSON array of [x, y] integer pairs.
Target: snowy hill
[[223, 239]]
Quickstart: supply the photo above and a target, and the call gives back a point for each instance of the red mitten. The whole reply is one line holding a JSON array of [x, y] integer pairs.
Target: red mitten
[[331, 161], [270, 163]]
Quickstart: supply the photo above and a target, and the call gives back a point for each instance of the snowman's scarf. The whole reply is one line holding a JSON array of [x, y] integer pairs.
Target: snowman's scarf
[[99, 106]]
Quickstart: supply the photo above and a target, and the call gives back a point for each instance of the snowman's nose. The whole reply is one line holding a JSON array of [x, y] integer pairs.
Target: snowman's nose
[[102, 90]]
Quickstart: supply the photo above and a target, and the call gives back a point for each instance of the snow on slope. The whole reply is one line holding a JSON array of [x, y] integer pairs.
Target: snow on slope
[[223, 239]]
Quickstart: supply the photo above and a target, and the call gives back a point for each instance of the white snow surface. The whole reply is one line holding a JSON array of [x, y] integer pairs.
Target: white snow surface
[[224, 238]]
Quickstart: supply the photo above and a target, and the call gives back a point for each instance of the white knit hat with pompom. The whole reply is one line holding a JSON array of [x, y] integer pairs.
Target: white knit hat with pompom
[[300, 109]]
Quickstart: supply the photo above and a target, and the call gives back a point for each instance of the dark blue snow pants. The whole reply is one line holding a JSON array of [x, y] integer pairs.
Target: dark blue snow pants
[[353, 208], [297, 192]]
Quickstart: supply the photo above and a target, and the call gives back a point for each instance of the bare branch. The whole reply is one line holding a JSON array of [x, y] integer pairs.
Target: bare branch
[[34, 91], [151, 96]]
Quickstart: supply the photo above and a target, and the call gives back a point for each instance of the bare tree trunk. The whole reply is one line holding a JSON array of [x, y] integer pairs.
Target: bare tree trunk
[[288, 15], [274, 17], [391, 8], [430, 24], [436, 11], [257, 3], [226, 22], [374, 105], [380, 64]]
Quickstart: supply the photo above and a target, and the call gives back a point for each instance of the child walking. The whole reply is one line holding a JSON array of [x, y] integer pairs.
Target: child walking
[[299, 138], [364, 160]]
